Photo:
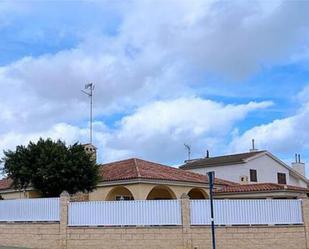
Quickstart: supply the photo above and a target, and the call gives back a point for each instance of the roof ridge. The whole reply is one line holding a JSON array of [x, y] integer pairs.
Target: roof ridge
[[267, 186], [237, 154], [136, 167], [230, 159]]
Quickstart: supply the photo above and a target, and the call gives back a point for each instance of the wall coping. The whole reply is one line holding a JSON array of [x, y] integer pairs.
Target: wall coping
[[247, 226]]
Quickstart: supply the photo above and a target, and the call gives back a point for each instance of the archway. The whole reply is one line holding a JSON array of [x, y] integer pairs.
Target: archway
[[119, 193], [161, 193], [197, 194]]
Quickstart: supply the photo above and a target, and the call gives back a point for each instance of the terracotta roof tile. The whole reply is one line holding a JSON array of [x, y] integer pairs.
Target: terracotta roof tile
[[219, 160], [259, 187], [5, 183], [140, 169]]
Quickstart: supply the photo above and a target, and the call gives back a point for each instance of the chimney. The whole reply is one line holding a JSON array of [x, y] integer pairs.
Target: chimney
[[253, 149], [298, 166], [91, 150]]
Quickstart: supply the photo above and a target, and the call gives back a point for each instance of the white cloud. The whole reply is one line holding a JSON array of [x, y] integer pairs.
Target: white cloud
[[287, 135], [62, 131], [157, 131], [152, 64], [159, 59]]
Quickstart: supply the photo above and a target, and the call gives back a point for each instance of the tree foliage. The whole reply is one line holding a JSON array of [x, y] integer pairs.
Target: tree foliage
[[51, 167]]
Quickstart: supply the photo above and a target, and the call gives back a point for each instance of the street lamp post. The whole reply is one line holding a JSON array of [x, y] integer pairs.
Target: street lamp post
[[211, 179]]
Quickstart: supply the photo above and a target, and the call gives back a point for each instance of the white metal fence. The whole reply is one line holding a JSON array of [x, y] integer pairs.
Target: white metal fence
[[43, 209], [158, 212], [125, 213], [247, 212]]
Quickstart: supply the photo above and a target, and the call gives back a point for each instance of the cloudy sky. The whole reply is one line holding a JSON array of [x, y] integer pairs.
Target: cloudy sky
[[212, 74]]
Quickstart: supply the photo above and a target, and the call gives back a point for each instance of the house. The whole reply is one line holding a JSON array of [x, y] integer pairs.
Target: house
[[136, 179], [261, 191], [251, 168], [246, 175]]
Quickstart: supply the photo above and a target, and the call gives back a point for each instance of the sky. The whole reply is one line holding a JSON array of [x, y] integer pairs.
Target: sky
[[211, 74]]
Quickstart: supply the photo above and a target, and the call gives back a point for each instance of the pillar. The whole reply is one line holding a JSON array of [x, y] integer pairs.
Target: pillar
[[186, 223], [305, 208], [64, 202]]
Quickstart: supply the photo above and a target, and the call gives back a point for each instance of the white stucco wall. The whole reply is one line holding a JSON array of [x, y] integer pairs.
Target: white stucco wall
[[297, 182], [267, 169]]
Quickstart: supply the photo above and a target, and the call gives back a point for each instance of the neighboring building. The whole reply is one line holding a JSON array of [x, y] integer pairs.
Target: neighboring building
[[261, 190], [7, 192], [136, 179], [251, 168]]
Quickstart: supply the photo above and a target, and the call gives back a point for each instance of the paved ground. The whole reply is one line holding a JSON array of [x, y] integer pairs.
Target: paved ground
[[9, 247]]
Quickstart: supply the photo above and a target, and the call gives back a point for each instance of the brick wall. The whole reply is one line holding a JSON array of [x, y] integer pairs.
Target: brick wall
[[198, 238], [30, 235], [60, 236]]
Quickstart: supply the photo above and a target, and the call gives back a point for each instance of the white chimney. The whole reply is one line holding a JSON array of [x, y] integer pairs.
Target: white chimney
[[91, 150], [298, 166]]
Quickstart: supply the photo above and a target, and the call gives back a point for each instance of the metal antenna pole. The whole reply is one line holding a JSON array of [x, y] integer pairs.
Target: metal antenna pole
[[188, 147], [89, 93]]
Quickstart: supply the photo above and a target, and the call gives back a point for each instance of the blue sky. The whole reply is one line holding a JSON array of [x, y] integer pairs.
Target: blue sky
[[212, 74]]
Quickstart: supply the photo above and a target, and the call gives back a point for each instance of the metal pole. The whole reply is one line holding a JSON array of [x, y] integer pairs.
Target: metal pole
[[211, 179], [91, 89]]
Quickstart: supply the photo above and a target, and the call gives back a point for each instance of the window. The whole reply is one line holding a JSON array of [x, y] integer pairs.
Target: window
[[244, 179], [124, 198], [281, 178], [253, 175]]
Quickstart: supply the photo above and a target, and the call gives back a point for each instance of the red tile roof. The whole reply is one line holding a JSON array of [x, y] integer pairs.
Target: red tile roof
[[140, 169], [259, 187], [5, 183], [220, 160]]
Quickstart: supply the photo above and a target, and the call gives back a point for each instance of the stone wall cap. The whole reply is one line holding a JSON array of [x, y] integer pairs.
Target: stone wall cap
[[184, 196], [65, 194]]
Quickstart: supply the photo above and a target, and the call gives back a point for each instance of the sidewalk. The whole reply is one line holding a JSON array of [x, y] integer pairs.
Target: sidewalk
[[10, 247]]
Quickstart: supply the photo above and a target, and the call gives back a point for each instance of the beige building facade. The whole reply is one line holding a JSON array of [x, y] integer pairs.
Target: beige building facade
[[148, 190]]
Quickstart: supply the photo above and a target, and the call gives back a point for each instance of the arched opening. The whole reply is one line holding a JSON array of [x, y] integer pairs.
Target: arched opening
[[119, 194], [161, 193], [197, 194]]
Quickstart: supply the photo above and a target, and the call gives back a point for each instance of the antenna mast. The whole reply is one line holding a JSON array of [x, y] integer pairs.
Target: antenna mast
[[188, 147], [90, 88], [253, 146]]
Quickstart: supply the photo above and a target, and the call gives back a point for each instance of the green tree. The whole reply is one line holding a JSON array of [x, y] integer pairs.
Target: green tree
[[51, 167]]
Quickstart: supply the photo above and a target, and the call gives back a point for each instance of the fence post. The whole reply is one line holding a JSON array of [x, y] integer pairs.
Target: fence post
[[305, 208], [64, 202], [186, 224]]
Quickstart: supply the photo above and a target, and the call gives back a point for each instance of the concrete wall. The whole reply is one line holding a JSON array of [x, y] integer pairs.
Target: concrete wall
[[195, 238], [140, 191], [60, 236], [10, 195], [30, 235], [267, 169]]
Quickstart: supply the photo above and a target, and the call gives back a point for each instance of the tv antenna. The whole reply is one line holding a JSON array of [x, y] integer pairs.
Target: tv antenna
[[89, 88], [253, 149], [188, 147]]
